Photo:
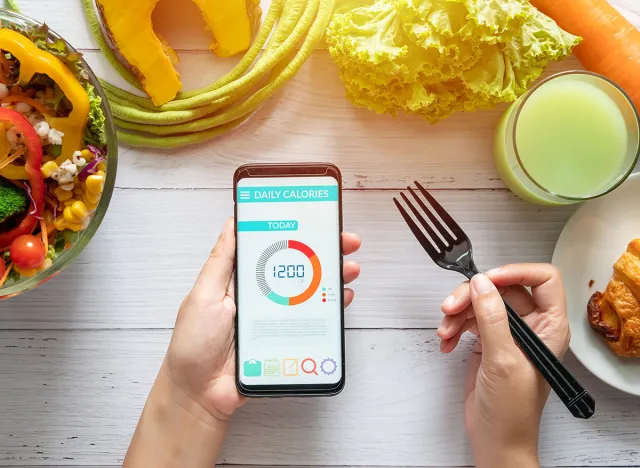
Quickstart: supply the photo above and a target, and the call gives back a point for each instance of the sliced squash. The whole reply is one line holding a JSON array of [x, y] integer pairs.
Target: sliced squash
[[128, 24], [130, 28], [232, 22]]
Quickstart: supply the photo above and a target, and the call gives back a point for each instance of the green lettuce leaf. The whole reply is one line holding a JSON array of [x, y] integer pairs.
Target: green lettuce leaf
[[95, 132], [436, 57], [57, 247]]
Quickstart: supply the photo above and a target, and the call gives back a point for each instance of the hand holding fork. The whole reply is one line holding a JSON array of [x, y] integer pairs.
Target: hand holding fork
[[450, 248], [505, 394]]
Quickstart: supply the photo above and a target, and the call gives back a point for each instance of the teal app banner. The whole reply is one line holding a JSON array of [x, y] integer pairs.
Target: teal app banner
[[284, 225], [284, 194]]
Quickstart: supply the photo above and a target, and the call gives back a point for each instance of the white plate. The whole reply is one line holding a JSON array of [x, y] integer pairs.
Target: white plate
[[591, 242]]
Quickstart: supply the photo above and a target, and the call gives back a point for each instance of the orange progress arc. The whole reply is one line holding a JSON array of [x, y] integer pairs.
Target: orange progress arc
[[317, 272]]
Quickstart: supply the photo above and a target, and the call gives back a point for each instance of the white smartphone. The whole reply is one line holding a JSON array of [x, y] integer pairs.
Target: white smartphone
[[289, 284]]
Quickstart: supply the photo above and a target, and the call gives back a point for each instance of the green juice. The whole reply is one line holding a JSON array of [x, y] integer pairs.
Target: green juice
[[571, 137]]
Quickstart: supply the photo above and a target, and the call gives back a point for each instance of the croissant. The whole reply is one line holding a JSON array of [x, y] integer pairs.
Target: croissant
[[615, 314]]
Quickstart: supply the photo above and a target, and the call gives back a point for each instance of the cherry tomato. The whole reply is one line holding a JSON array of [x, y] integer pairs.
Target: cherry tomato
[[27, 252]]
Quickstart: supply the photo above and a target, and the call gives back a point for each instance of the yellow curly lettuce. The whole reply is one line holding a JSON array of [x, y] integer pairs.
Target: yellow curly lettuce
[[435, 57]]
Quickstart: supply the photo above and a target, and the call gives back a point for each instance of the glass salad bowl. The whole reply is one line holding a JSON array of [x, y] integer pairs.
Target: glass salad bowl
[[67, 236]]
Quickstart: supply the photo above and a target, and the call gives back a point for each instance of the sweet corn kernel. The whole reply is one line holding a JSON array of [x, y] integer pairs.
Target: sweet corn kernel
[[46, 264], [68, 215], [75, 227], [91, 197], [86, 154], [102, 173], [91, 206], [48, 168], [79, 210], [62, 195], [95, 183], [60, 224], [26, 272], [69, 202], [78, 192], [102, 166]]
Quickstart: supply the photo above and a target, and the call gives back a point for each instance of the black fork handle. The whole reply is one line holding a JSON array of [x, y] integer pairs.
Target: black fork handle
[[577, 400], [573, 395]]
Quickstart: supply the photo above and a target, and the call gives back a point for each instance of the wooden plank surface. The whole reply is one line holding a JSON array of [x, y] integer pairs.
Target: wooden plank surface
[[77, 394], [154, 238]]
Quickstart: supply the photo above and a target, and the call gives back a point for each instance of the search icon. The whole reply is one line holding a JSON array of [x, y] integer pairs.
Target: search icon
[[309, 366]]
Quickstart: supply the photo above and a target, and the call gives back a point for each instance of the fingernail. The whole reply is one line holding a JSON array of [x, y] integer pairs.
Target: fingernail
[[482, 284], [449, 302]]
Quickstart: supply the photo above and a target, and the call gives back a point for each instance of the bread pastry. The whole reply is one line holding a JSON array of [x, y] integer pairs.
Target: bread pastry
[[615, 314]]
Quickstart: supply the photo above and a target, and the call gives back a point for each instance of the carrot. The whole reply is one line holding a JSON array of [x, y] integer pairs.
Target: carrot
[[45, 235], [6, 65], [4, 162], [6, 275], [611, 44], [32, 102]]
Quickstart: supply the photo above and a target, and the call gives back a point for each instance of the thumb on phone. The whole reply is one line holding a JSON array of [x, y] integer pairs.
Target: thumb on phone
[[493, 322], [216, 275]]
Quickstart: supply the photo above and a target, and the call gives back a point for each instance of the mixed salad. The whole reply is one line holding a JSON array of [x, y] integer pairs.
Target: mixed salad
[[52, 150]]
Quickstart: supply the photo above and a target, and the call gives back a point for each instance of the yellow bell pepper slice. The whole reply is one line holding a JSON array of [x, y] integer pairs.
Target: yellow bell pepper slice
[[34, 60]]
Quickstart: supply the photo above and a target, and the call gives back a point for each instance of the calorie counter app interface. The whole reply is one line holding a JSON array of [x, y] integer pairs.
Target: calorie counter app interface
[[288, 273]]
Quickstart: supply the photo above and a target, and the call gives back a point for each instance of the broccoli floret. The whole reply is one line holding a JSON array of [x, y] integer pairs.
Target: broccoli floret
[[13, 200]]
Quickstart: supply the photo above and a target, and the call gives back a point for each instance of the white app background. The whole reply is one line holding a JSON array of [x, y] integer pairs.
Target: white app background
[[281, 343]]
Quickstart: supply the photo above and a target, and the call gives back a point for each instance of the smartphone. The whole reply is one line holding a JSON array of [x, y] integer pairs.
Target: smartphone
[[288, 280]]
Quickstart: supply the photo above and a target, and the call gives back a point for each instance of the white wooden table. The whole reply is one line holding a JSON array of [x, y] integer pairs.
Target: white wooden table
[[78, 355]]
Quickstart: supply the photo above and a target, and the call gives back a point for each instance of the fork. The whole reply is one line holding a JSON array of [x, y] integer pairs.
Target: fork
[[451, 249]]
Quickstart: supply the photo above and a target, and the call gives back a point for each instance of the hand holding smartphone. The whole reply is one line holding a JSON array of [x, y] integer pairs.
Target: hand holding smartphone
[[289, 280]]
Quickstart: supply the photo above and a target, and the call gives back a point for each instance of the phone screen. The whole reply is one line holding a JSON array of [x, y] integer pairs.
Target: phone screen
[[289, 281]]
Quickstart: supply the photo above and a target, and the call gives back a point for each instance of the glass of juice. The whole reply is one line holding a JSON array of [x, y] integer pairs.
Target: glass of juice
[[572, 137]]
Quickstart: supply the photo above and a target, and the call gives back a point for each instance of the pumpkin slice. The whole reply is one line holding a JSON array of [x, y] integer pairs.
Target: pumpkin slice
[[129, 27], [232, 22]]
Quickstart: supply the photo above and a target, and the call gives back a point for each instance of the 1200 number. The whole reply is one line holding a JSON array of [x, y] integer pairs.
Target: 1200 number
[[288, 271]]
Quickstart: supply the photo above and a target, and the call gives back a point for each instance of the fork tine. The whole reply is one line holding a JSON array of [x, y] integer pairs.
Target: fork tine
[[434, 237], [448, 220], [426, 245], [435, 221]]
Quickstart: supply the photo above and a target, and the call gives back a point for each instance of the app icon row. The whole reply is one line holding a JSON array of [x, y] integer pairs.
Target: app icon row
[[289, 367]]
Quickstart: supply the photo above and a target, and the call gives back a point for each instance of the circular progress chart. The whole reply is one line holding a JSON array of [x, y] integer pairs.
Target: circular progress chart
[[262, 266]]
